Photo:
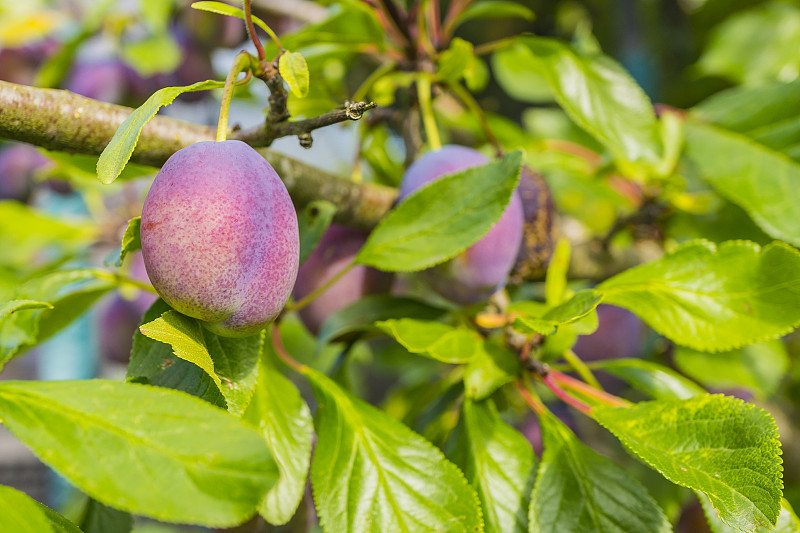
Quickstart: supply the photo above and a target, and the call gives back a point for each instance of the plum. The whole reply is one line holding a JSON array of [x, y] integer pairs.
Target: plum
[[620, 334], [538, 229], [219, 237], [18, 164], [335, 250], [105, 80], [483, 268]]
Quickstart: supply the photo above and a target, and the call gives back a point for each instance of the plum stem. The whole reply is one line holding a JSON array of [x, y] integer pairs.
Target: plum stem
[[573, 384], [322, 288], [469, 101], [426, 110], [531, 398], [564, 396], [251, 32], [240, 63], [125, 280], [281, 351], [580, 367]]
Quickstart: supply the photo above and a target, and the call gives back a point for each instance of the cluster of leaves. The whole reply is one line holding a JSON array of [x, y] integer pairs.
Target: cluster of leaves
[[234, 436]]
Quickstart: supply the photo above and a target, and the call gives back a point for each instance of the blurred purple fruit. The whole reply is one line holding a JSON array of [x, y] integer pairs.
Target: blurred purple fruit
[[18, 164], [219, 237], [335, 250], [483, 268], [538, 227], [620, 334], [105, 80], [118, 321]]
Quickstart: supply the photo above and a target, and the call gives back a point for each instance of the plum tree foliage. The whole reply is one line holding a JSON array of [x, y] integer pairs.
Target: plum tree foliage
[[524, 241]]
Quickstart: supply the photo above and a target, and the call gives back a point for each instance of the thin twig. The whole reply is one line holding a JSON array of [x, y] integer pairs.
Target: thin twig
[[564, 396], [281, 351], [251, 31], [571, 383], [266, 134]]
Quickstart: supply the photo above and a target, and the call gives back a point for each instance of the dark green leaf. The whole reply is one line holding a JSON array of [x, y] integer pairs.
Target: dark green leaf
[[155, 363], [714, 298], [761, 181], [760, 367], [118, 151], [714, 444], [492, 367], [312, 221], [499, 463], [283, 418], [579, 490], [657, 381], [371, 473], [231, 362], [443, 218], [492, 9], [362, 314], [99, 518], [147, 450]]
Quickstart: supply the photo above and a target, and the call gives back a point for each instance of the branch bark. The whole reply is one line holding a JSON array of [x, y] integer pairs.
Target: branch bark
[[63, 121]]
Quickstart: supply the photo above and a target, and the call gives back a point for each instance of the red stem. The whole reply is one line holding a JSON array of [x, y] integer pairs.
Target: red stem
[[579, 386], [534, 403], [281, 351], [566, 398], [251, 31]]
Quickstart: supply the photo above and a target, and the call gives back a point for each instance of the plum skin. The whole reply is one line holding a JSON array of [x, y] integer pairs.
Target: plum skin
[[620, 335], [219, 237], [335, 250], [483, 268]]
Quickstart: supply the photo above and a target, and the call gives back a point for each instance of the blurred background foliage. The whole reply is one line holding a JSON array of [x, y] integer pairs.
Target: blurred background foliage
[[681, 52]]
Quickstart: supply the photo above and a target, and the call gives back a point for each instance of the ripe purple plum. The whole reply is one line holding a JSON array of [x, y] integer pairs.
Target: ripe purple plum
[[483, 268], [335, 250], [620, 334], [538, 230], [219, 237], [18, 164], [105, 80]]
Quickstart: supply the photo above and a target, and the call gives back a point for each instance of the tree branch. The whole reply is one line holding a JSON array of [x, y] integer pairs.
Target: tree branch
[[63, 121], [264, 135]]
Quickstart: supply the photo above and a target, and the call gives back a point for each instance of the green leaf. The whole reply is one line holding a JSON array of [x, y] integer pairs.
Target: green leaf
[[455, 60], [372, 473], [221, 8], [27, 234], [438, 341], [443, 218], [600, 97], [153, 362], [755, 45], [131, 241], [21, 514], [714, 298], [555, 287], [578, 489], [293, 68], [494, 9], [362, 314], [146, 450], [569, 312], [763, 182], [517, 71], [714, 444], [231, 362], [760, 367], [657, 381], [59, 298], [499, 463], [118, 151], [99, 518], [312, 221], [154, 54], [492, 367], [283, 418], [787, 520]]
